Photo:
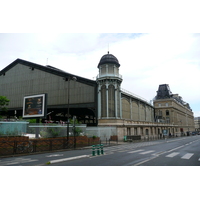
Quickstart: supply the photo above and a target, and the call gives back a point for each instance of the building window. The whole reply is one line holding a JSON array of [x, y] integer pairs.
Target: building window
[[103, 101], [167, 120], [167, 104], [167, 112], [159, 105], [111, 100]]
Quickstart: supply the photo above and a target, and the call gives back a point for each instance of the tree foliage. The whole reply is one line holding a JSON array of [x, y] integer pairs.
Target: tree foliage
[[3, 103]]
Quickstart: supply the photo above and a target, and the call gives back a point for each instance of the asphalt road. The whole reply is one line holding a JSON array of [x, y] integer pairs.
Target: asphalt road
[[182, 151]]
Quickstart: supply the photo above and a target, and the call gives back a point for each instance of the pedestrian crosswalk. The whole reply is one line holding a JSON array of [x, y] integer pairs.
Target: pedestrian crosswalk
[[169, 154], [187, 156], [146, 152]]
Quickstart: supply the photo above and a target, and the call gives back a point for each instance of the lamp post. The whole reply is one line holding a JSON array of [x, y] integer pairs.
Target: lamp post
[[74, 130], [69, 79]]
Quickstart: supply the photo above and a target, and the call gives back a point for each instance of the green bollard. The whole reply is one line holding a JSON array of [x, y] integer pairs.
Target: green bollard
[[93, 150], [98, 151], [101, 149]]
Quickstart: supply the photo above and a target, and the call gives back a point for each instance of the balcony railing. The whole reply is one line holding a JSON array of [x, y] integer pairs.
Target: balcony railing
[[109, 75]]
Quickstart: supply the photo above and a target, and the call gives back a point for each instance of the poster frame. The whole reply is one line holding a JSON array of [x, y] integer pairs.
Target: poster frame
[[37, 109]]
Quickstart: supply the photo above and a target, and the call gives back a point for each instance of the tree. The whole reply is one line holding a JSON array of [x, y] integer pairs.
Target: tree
[[3, 103]]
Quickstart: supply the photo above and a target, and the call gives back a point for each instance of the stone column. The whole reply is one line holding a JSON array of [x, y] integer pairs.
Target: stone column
[[131, 108], [116, 101], [99, 101], [120, 104], [107, 100]]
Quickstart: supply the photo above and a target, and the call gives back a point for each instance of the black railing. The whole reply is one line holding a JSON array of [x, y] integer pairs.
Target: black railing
[[42, 145]]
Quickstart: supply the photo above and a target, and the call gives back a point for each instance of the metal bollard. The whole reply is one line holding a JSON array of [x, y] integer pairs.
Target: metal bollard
[[98, 151], [93, 150], [101, 149]]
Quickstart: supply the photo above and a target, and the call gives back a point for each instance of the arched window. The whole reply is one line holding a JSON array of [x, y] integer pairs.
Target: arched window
[[111, 101], [103, 101]]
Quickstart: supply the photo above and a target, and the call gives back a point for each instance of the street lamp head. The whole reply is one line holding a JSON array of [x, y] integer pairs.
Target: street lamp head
[[74, 78]]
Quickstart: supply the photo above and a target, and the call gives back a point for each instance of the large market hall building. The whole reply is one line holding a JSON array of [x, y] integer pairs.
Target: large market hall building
[[101, 102]]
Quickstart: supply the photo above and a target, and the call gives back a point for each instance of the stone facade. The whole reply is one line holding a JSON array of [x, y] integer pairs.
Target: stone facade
[[100, 103], [170, 115], [197, 123], [173, 110]]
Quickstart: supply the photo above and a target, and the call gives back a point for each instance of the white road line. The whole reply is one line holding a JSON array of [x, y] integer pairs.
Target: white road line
[[187, 156], [54, 155], [18, 161], [67, 159], [135, 151], [146, 152], [11, 163], [172, 154], [176, 148]]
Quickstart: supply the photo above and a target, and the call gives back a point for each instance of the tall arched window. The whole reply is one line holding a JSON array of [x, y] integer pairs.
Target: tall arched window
[[111, 101], [103, 101]]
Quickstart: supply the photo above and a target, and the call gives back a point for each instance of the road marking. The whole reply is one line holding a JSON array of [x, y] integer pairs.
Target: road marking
[[146, 152], [107, 153], [144, 161], [18, 161], [135, 151], [172, 154], [176, 148], [67, 159], [54, 155], [11, 163], [187, 156]]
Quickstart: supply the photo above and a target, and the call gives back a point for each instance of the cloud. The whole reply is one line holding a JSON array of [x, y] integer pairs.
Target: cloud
[[147, 60]]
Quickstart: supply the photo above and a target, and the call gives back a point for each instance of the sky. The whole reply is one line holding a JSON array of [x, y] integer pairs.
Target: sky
[[156, 42], [146, 59], [74, 35]]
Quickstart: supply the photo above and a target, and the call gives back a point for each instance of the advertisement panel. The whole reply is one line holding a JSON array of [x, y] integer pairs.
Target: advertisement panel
[[34, 106]]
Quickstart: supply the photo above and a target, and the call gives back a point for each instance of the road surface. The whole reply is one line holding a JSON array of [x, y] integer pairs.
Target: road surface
[[182, 151]]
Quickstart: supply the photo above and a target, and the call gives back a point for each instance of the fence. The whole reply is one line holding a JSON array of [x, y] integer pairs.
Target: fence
[[31, 138], [55, 130], [13, 128], [106, 134], [21, 145]]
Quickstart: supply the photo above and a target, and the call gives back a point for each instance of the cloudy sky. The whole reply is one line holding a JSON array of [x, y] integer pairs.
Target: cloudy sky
[[154, 41], [147, 60]]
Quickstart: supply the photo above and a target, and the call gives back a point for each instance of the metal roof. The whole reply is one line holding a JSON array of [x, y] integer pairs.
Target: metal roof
[[48, 69], [108, 59]]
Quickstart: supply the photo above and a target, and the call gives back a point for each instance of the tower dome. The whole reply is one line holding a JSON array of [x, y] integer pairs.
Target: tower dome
[[108, 59]]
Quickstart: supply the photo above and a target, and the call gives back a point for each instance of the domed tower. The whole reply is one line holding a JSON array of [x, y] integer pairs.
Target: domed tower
[[109, 88]]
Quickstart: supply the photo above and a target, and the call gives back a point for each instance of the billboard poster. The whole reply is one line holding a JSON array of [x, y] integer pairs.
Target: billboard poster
[[34, 106]]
